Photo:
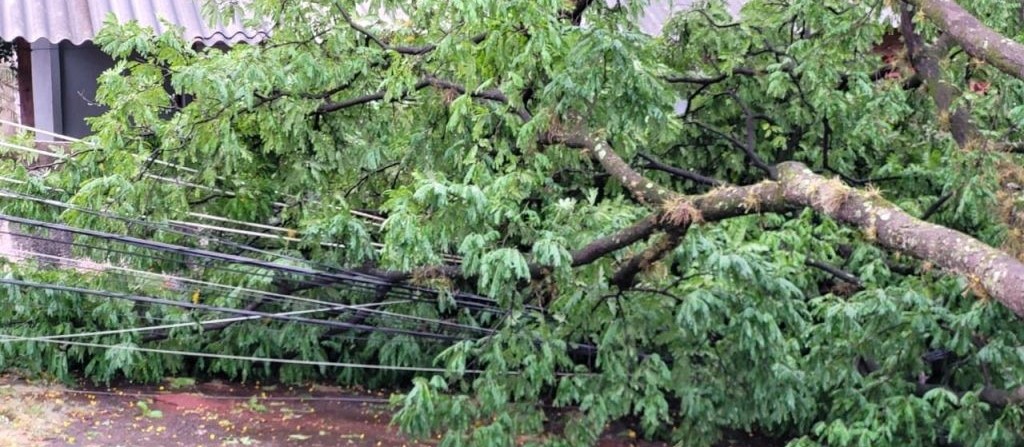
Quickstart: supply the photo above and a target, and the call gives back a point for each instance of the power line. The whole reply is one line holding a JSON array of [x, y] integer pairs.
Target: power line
[[226, 310], [279, 297], [204, 323], [267, 295], [331, 306], [151, 244], [157, 226], [343, 275], [33, 150], [368, 216], [352, 399], [375, 220], [272, 296], [153, 225], [4, 338], [207, 285]]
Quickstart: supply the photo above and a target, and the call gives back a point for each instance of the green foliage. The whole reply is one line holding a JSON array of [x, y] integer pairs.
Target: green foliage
[[6, 52], [730, 332], [147, 412]]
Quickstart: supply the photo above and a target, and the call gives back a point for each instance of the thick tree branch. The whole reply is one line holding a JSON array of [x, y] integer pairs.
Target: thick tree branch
[[642, 189], [335, 106], [975, 37], [994, 273], [926, 61], [625, 275], [587, 254], [621, 239]]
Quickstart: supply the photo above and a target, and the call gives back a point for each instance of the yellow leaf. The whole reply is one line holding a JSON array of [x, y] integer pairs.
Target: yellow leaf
[[195, 297]]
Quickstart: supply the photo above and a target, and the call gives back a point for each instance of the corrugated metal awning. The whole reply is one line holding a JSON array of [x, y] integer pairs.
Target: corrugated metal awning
[[78, 21], [657, 13]]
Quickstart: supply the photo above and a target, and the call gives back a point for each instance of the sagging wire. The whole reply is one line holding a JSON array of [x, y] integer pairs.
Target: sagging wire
[[281, 298], [347, 399], [370, 218], [156, 226], [278, 298], [211, 217], [204, 323], [269, 296], [377, 219], [5, 338], [343, 275], [225, 310]]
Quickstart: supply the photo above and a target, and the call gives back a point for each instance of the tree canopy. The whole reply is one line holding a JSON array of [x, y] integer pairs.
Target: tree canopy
[[803, 222]]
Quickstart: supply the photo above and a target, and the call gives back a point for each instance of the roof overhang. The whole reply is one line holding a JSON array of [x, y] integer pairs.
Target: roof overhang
[[78, 21]]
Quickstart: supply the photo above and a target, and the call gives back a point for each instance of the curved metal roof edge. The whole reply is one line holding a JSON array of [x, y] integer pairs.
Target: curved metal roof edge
[[75, 21]]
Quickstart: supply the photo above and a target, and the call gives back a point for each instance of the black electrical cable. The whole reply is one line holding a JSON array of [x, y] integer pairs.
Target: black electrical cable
[[404, 293], [157, 226], [267, 296], [160, 246], [225, 310], [164, 259], [257, 296], [351, 276]]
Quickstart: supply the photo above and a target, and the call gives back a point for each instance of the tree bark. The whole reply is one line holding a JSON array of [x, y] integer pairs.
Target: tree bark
[[992, 273], [974, 36], [926, 61]]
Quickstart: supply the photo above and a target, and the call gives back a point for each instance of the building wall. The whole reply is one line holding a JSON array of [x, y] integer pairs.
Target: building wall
[[80, 68], [9, 104]]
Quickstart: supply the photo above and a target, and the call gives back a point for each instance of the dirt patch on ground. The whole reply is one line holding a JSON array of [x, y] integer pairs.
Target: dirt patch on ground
[[211, 414], [216, 414], [31, 415], [183, 414]]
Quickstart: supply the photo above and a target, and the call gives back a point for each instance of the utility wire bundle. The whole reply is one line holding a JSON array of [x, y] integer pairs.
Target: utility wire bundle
[[279, 267]]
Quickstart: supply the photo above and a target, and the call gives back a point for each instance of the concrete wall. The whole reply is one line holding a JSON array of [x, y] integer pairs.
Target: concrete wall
[[64, 78]]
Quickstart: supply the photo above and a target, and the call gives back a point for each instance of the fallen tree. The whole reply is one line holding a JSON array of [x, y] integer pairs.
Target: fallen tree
[[776, 225]]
